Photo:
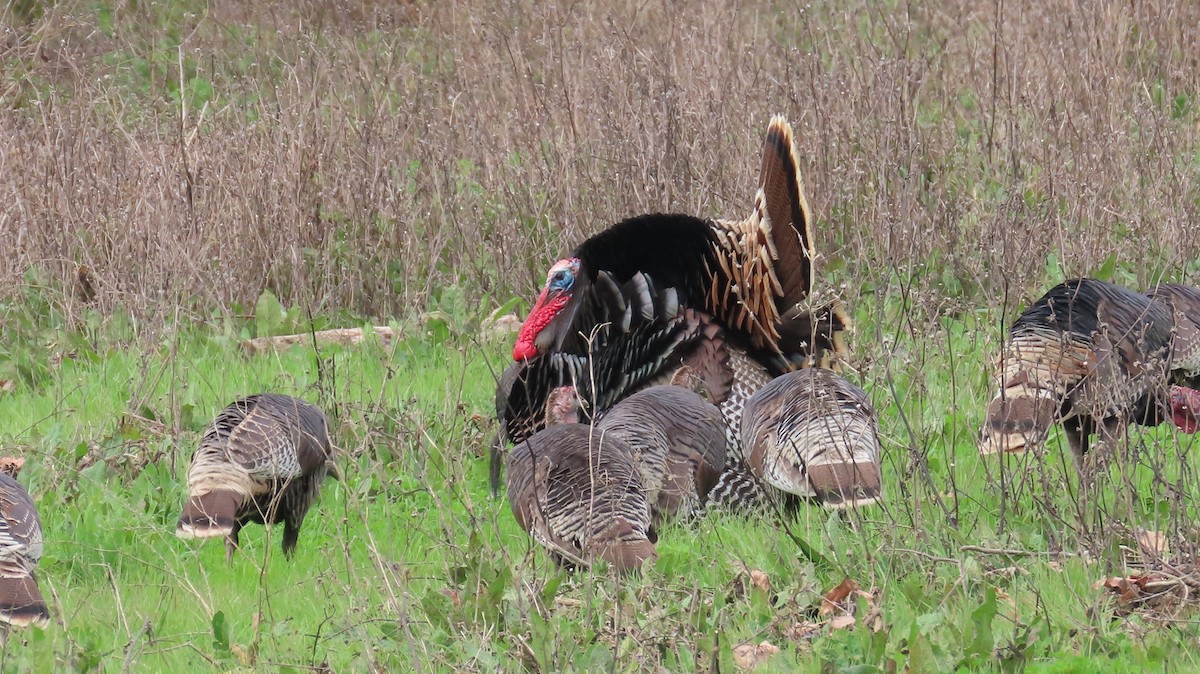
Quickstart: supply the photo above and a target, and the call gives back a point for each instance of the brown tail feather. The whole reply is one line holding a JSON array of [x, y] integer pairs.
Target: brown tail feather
[[626, 556], [210, 515], [621, 547], [846, 485], [1016, 424], [791, 221], [21, 603]]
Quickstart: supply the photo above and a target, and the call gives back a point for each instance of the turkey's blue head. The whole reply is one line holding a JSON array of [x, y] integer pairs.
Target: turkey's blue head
[[534, 338]]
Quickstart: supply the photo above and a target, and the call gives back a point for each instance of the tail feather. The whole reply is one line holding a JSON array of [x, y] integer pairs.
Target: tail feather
[[791, 222], [1017, 423], [846, 485], [21, 602], [625, 556], [210, 515]]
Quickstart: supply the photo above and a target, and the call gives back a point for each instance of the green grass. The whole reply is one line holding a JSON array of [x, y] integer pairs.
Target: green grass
[[409, 564]]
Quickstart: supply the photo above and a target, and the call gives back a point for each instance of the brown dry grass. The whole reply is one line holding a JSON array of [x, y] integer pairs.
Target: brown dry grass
[[363, 155]]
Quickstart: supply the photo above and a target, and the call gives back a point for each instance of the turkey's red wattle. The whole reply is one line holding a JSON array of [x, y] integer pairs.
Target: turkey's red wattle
[[544, 311], [1185, 404]]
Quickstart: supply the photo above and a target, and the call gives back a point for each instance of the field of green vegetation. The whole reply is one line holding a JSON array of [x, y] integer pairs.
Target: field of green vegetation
[[177, 177]]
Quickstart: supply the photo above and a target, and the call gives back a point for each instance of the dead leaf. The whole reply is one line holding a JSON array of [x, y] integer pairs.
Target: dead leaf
[[8, 385], [841, 622], [749, 656], [832, 601], [455, 597], [12, 465], [245, 657], [802, 631], [1153, 544], [760, 580]]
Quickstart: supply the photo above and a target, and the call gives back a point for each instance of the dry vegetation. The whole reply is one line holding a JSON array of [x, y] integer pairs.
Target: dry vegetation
[[171, 161], [364, 155]]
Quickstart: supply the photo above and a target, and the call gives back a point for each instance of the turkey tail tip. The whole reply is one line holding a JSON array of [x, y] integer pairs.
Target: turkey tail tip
[[846, 485], [627, 556], [1015, 425], [779, 135], [21, 603], [622, 546], [209, 515]]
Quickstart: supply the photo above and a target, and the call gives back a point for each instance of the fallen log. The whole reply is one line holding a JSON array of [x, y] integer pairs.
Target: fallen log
[[341, 336]]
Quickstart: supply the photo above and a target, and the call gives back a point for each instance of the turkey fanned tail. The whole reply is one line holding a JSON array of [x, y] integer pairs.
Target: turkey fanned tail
[[766, 265]]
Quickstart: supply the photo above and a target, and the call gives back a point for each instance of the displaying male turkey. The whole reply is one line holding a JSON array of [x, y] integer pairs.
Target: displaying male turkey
[[263, 459], [579, 493], [755, 276], [21, 601], [678, 439], [746, 285], [1090, 355], [811, 433]]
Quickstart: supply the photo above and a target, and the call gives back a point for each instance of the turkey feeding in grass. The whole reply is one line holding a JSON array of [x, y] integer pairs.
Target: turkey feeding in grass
[[21, 602], [1094, 357], [678, 439], [263, 459], [812, 433], [579, 493]]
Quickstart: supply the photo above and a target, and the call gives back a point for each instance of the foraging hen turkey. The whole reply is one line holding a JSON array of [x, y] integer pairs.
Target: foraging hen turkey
[[579, 493], [21, 601], [811, 433], [263, 459], [744, 293], [678, 439], [1092, 356]]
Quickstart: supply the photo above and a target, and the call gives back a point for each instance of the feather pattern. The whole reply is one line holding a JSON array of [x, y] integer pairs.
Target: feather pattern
[[620, 360], [1088, 354], [21, 601], [262, 459], [580, 495], [1184, 302], [812, 433], [678, 440]]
